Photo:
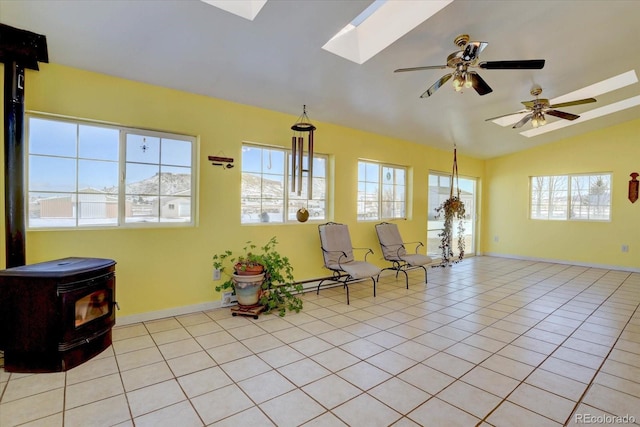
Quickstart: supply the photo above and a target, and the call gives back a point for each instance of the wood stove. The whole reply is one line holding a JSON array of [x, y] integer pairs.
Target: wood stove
[[57, 314]]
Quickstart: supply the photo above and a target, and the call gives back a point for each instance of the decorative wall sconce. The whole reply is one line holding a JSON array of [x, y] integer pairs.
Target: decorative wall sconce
[[633, 187], [220, 161], [302, 126]]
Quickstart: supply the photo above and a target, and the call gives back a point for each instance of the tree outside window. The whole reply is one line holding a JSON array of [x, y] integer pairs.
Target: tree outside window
[[575, 197]]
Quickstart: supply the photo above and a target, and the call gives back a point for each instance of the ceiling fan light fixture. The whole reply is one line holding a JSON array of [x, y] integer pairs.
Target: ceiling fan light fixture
[[458, 82], [538, 119], [468, 83]]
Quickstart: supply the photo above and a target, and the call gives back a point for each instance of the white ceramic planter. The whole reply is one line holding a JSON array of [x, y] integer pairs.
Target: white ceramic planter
[[248, 288]]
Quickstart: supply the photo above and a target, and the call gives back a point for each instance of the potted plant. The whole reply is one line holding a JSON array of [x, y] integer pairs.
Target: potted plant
[[451, 209], [248, 264], [277, 289]]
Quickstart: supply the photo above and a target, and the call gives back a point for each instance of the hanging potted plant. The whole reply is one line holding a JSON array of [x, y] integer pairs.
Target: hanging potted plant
[[261, 277], [452, 209]]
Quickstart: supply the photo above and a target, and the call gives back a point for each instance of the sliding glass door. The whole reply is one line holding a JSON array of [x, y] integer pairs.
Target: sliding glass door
[[439, 188]]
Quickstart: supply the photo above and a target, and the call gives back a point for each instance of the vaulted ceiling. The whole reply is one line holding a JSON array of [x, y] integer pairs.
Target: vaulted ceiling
[[277, 62]]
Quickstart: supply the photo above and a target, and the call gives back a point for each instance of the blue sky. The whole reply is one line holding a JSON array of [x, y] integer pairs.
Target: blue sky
[[57, 146]]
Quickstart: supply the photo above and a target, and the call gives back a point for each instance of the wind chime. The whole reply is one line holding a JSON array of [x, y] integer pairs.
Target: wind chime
[[302, 126]]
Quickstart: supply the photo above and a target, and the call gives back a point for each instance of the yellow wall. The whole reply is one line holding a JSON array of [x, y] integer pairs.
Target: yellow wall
[[506, 200], [165, 268]]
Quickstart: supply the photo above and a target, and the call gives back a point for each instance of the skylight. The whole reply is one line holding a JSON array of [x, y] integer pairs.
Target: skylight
[[248, 9], [365, 14], [379, 25]]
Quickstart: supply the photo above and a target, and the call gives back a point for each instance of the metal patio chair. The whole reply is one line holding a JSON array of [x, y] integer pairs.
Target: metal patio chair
[[394, 251], [337, 252]]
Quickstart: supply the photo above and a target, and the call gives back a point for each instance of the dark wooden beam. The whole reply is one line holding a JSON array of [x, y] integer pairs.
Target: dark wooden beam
[[23, 47]]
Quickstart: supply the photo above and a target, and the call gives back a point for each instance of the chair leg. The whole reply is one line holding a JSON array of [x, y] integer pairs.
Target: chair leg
[[374, 286], [397, 268], [318, 289], [425, 273], [347, 287], [406, 277]]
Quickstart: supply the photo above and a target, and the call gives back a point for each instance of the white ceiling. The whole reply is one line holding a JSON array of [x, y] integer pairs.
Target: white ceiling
[[277, 61]]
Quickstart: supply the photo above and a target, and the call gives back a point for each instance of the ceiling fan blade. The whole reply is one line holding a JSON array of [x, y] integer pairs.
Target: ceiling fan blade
[[472, 50], [570, 103], [524, 120], [428, 67], [562, 114], [505, 115], [436, 85], [527, 64], [479, 84]]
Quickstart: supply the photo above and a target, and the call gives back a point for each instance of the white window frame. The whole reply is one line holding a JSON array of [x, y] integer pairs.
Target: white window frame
[[317, 207], [562, 194], [121, 195], [469, 194], [365, 211]]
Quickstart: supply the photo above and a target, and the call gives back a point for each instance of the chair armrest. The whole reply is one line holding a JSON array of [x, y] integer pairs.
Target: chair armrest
[[369, 251], [418, 244], [342, 255]]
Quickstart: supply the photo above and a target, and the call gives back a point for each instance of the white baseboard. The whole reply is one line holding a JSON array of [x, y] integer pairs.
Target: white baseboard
[[170, 312], [189, 309], [565, 262]]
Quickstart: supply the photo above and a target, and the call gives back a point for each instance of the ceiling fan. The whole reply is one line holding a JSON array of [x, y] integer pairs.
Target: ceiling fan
[[538, 107], [466, 58]]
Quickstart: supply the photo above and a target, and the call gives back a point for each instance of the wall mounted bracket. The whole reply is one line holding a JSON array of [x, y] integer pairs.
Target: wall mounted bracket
[[220, 161]]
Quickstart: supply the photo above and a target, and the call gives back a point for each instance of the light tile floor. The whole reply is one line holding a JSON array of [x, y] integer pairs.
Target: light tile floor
[[488, 342]]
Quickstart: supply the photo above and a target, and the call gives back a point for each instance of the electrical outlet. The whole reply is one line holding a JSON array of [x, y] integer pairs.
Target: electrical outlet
[[216, 274], [625, 248]]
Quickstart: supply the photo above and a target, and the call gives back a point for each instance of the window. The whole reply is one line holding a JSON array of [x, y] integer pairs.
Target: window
[[382, 191], [571, 197], [83, 174], [266, 186]]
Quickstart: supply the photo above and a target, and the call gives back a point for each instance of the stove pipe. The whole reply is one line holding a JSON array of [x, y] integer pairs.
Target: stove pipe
[[19, 49], [14, 211]]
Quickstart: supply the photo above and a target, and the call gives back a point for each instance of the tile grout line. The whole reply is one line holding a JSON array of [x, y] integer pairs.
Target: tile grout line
[[604, 360], [560, 345], [519, 336]]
